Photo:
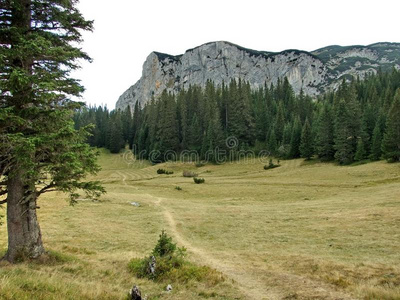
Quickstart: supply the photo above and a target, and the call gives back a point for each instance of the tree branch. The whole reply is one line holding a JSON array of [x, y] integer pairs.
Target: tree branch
[[47, 188], [3, 201], [3, 192]]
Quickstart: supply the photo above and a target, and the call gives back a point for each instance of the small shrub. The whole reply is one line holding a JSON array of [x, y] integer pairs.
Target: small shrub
[[170, 265], [271, 165], [198, 180], [187, 173], [164, 245], [178, 188], [200, 164], [167, 256], [163, 171]]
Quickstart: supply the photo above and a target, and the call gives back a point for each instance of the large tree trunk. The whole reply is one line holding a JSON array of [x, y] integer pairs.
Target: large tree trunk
[[24, 236]]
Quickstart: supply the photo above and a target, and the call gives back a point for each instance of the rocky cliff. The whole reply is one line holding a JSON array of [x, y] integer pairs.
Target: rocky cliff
[[314, 72]]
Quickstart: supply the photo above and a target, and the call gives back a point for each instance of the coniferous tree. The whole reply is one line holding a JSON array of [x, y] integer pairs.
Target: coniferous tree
[[325, 138], [360, 152], [116, 138], [168, 127], [306, 145], [287, 134], [195, 135], [295, 140], [376, 151], [272, 142], [391, 139], [37, 135], [241, 124], [279, 123], [343, 144]]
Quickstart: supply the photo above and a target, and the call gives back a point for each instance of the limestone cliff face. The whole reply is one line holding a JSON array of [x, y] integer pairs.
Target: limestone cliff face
[[314, 72]]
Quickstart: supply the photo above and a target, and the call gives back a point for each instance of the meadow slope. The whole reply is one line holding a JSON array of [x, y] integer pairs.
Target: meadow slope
[[305, 230]]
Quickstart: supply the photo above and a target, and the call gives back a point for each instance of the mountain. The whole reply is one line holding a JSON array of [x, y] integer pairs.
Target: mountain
[[314, 72]]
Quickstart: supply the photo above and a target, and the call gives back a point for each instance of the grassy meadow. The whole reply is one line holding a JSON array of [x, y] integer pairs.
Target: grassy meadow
[[305, 230]]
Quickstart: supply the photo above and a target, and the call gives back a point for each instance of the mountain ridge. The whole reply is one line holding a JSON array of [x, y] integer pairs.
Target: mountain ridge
[[313, 72]]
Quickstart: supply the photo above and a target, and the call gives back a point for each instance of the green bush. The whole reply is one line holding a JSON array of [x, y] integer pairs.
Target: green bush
[[163, 171], [167, 257], [164, 245], [178, 188], [199, 180], [170, 265], [200, 164], [271, 165]]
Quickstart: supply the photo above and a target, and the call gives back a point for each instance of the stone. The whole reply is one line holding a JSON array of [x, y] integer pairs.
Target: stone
[[169, 288], [313, 72], [137, 204], [152, 266], [135, 293]]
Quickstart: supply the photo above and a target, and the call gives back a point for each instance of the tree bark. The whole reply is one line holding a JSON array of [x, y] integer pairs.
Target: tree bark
[[24, 235]]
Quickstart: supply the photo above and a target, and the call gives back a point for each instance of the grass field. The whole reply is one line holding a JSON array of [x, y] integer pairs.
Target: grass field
[[305, 230]]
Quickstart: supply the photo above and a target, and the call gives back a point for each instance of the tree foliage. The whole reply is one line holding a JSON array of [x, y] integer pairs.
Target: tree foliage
[[270, 118], [40, 151]]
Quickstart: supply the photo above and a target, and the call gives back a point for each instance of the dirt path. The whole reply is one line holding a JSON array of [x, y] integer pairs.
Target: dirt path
[[123, 177], [249, 285]]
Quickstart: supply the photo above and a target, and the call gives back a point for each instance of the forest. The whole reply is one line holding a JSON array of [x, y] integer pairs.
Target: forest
[[360, 121]]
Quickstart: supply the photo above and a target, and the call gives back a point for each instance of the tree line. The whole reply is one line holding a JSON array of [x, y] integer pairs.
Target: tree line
[[358, 121]]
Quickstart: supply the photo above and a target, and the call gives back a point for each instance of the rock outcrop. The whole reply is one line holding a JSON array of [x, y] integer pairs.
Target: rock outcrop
[[313, 72]]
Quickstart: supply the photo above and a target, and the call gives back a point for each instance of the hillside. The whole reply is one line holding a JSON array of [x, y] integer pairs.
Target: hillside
[[314, 72]]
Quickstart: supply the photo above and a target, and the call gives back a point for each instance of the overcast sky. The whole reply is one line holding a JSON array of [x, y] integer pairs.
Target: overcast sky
[[127, 31]]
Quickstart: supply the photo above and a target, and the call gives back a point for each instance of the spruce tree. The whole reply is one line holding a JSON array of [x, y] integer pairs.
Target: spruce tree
[[168, 126], [272, 142], [37, 136], [391, 139], [306, 145], [325, 139], [376, 151], [279, 123], [343, 144], [295, 140], [195, 135], [360, 152]]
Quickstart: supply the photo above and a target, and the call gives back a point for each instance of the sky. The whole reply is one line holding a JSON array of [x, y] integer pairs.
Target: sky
[[127, 31]]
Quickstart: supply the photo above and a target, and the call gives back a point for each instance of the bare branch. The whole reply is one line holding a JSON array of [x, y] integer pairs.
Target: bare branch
[[3, 192], [3, 201], [47, 188]]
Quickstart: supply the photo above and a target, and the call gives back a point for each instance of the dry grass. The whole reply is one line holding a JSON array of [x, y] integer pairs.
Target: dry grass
[[301, 231]]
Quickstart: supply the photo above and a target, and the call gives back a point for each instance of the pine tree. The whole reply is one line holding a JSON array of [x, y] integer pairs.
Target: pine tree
[[376, 146], [279, 123], [195, 135], [343, 144], [295, 140], [287, 134], [272, 142], [325, 139], [360, 152], [135, 124], [261, 113], [37, 135], [241, 123], [306, 145], [116, 138], [391, 139], [168, 127]]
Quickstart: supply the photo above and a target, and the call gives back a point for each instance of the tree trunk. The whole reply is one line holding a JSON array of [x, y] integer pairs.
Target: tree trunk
[[24, 236]]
